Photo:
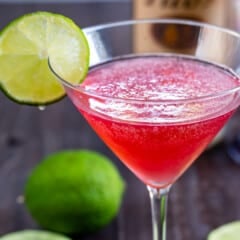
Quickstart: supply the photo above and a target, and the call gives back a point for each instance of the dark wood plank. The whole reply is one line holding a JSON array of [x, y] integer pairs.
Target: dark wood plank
[[84, 14]]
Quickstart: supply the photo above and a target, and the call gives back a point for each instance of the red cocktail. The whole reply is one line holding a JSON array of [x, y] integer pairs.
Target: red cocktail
[[156, 149], [157, 109]]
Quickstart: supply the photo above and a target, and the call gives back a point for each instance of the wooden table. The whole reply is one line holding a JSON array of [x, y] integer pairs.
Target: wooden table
[[206, 196]]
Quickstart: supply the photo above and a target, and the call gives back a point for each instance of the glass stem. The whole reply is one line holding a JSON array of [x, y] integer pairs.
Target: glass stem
[[158, 199]]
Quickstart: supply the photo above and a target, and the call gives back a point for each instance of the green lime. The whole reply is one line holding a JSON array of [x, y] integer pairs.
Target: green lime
[[230, 231], [26, 46], [33, 235], [74, 191]]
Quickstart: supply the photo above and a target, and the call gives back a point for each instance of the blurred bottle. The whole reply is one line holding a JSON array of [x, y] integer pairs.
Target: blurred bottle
[[210, 11], [232, 136], [234, 15], [174, 37]]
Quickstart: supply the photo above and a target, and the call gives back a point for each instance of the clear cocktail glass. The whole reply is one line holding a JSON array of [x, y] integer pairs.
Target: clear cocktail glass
[[158, 136]]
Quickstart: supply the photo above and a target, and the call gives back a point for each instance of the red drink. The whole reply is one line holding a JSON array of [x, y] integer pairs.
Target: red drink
[[142, 119]]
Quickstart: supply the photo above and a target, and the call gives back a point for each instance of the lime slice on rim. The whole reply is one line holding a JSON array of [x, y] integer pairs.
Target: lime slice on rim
[[33, 235], [230, 231], [26, 45]]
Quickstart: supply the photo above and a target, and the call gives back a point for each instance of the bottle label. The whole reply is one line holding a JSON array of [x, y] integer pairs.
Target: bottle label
[[211, 11]]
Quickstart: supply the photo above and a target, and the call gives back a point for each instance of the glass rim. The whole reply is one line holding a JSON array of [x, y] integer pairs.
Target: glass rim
[[78, 87], [97, 27]]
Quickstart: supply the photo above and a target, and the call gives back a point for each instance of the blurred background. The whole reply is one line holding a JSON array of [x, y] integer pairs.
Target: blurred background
[[205, 197]]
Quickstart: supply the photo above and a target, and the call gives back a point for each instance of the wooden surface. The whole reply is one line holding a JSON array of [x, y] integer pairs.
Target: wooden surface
[[206, 196]]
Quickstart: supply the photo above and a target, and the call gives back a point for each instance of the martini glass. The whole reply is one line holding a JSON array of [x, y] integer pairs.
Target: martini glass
[[157, 93]]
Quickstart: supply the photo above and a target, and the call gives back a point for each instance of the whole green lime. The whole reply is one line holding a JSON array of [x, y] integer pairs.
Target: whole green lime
[[33, 235], [74, 192]]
